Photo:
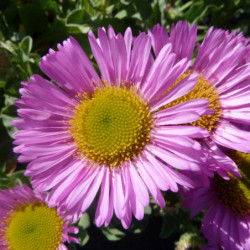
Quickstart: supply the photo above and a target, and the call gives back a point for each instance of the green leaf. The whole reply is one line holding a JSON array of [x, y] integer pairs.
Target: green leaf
[[78, 28], [2, 83], [169, 225], [113, 234], [8, 114], [121, 14], [77, 16], [83, 236], [144, 9], [9, 46], [26, 44], [16, 177], [84, 221], [126, 2], [33, 18]]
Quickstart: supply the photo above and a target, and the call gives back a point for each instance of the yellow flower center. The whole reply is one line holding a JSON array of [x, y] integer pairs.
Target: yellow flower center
[[202, 90], [111, 126], [34, 226], [235, 193]]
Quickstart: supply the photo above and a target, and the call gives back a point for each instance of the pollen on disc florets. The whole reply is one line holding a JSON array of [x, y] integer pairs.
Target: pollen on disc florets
[[235, 193], [202, 90], [33, 226], [111, 126]]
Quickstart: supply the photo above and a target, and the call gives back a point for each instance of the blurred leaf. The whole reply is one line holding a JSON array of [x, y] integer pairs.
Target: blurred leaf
[[84, 221], [26, 44], [77, 17], [126, 2], [16, 177], [8, 113], [113, 234], [198, 10], [83, 224], [144, 9], [33, 18], [121, 14], [78, 28], [169, 225], [83, 236], [2, 83], [10, 167], [192, 241], [8, 46]]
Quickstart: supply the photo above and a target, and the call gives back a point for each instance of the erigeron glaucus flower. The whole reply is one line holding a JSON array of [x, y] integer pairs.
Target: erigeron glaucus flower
[[27, 223], [111, 134], [222, 61], [226, 222]]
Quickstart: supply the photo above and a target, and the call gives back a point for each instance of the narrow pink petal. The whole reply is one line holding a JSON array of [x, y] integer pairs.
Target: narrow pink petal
[[151, 185], [119, 57], [230, 136], [180, 89], [103, 204], [92, 190], [119, 200], [152, 171], [159, 36], [104, 67], [128, 39], [139, 58], [152, 76], [182, 32], [111, 202], [70, 67], [139, 187], [190, 131], [174, 160]]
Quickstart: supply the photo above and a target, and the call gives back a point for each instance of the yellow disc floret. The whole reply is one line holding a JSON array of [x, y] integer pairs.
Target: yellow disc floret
[[202, 90], [111, 126], [235, 193], [34, 226]]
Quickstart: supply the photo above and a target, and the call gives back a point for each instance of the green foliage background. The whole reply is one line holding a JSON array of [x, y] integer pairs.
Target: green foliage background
[[28, 28]]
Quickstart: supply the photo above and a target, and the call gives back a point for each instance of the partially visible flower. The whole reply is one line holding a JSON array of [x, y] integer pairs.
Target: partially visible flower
[[223, 64], [226, 222], [27, 223], [111, 133]]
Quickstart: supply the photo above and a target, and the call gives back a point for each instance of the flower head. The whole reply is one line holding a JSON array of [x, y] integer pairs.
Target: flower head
[[111, 133], [226, 222], [27, 223], [224, 77]]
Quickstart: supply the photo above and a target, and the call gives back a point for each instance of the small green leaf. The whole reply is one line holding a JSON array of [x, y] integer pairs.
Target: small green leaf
[[113, 234], [84, 221], [2, 83], [76, 16], [26, 44], [126, 2], [78, 28], [121, 14], [83, 236]]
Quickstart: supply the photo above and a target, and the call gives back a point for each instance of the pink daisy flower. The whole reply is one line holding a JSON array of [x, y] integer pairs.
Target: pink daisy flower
[[222, 61], [111, 133], [226, 221], [27, 223]]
